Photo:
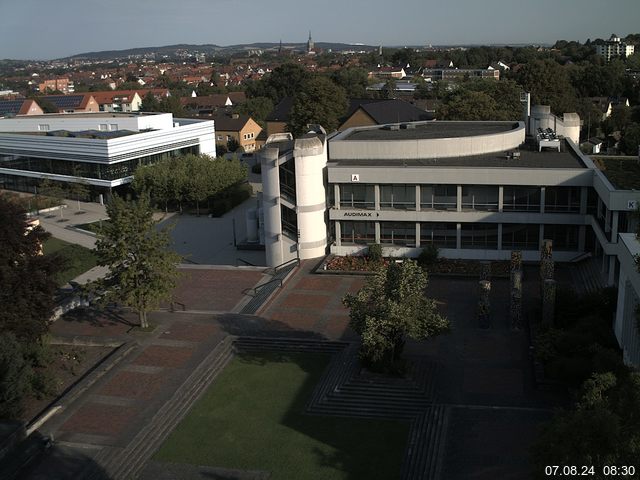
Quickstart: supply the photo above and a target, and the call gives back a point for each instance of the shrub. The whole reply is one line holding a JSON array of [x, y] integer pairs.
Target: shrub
[[428, 256], [375, 252]]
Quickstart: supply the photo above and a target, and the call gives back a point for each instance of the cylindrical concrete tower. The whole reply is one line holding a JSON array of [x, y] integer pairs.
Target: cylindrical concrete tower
[[271, 205], [310, 156]]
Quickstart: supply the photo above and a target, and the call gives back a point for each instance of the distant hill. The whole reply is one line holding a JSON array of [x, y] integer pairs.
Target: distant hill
[[209, 49]]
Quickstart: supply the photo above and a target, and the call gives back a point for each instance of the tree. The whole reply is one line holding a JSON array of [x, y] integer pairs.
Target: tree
[[549, 84], [354, 80], [15, 373], [142, 271], [27, 282], [389, 308], [257, 108], [630, 141], [319, 102], [150, 103], [284, 81]]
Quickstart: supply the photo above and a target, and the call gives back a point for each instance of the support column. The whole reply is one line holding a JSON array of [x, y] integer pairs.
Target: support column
[[377, 232], [500, 198], [582, 236], [541, 236], [584, 194], [417, 234], [542, 200], [458, 236], [459, 198], [376, 197], [338, 228], [336, 196], [418, 198], [614, 227], [499, 236], [611, 279]]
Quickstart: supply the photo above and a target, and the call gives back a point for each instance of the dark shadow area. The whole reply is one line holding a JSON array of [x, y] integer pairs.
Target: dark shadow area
[[252, 325], [98, 317]]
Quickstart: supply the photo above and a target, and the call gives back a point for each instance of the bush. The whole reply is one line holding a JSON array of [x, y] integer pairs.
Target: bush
[[375, 252], [15, 376], [230, 198], [428, 256]]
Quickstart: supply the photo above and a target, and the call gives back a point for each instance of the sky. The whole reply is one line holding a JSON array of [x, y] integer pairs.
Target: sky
[[42, 30]]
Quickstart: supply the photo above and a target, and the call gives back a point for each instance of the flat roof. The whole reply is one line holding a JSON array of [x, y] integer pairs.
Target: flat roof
[[530, 157], [431, 130]]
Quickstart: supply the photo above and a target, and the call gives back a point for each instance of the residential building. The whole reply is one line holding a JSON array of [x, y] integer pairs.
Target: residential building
[[613, 48], [364, 112], [99, 149], [63, 85], [118, 101], [241, 128], [388, 72], [81, 102], [11, 108], [210, 104]]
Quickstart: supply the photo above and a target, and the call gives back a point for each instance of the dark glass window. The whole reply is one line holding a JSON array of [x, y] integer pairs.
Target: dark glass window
[[442, 235], [562, 200], [520, 237], [288, 180], [521, 199], [357, 196], [480, 197], [401, 197], [439, 197], [357, 232], [289, 222], [480, 235], [564, 237], [398, 233]]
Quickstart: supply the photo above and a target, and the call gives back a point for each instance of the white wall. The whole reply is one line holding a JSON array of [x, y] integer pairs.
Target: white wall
[[87, 121]]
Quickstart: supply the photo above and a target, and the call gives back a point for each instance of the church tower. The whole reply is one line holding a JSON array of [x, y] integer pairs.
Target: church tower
[[310, 44]]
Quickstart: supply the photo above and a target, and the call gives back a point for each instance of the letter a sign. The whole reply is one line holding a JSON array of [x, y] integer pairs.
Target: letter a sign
[[355, 177]]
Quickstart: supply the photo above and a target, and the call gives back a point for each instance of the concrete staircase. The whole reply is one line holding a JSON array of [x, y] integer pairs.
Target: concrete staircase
[[126, 463], [262, 295]]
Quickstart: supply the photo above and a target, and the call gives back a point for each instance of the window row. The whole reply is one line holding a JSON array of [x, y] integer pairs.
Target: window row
[[474, 197], [472, 235]]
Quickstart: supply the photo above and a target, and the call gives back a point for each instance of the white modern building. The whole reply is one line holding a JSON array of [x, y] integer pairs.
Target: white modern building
[[99, 149], [476, 190], [614, 47]]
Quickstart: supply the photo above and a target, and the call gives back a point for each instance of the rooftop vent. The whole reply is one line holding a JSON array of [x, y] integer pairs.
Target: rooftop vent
[[408, 126], [391, 127]]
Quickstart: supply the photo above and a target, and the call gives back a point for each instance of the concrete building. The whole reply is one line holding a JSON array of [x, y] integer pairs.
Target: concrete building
[[475, 190], [453, 74], [99, 149], [63, 85], [613, 48], [241, 128]]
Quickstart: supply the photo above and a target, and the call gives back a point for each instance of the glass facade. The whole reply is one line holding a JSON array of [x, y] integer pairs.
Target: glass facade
[[357, 233], [288, 180], [442, 235], [398, 233], [480, 197], [357, 196], [520, 237], [564, 237], [289, 222], [76, 168], [480, 235], [521, 199], [399, 196], [562, 200], [439, 197]]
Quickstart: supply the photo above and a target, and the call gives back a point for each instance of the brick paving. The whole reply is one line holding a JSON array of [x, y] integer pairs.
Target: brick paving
[[100, 419], [214, 289], [136, 385]]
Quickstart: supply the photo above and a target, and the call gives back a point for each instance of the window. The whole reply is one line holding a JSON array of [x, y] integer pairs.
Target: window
[[357, 196], [439, 197], [564, 237], [113, 127], [102, 127], [521, 199], [43, 127], [442, 235], [219, 137], [398, 233], [480, 235], [562, 199], [289, 222], [520, 237], [479, 197], [357, 233], [401, 197]]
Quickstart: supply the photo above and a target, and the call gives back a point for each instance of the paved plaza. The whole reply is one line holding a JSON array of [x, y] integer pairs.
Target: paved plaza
[[481, 377]]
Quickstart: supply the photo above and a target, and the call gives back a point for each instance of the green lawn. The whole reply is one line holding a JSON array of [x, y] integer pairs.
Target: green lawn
[[252, 418], [93, 227], [79, 259]]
